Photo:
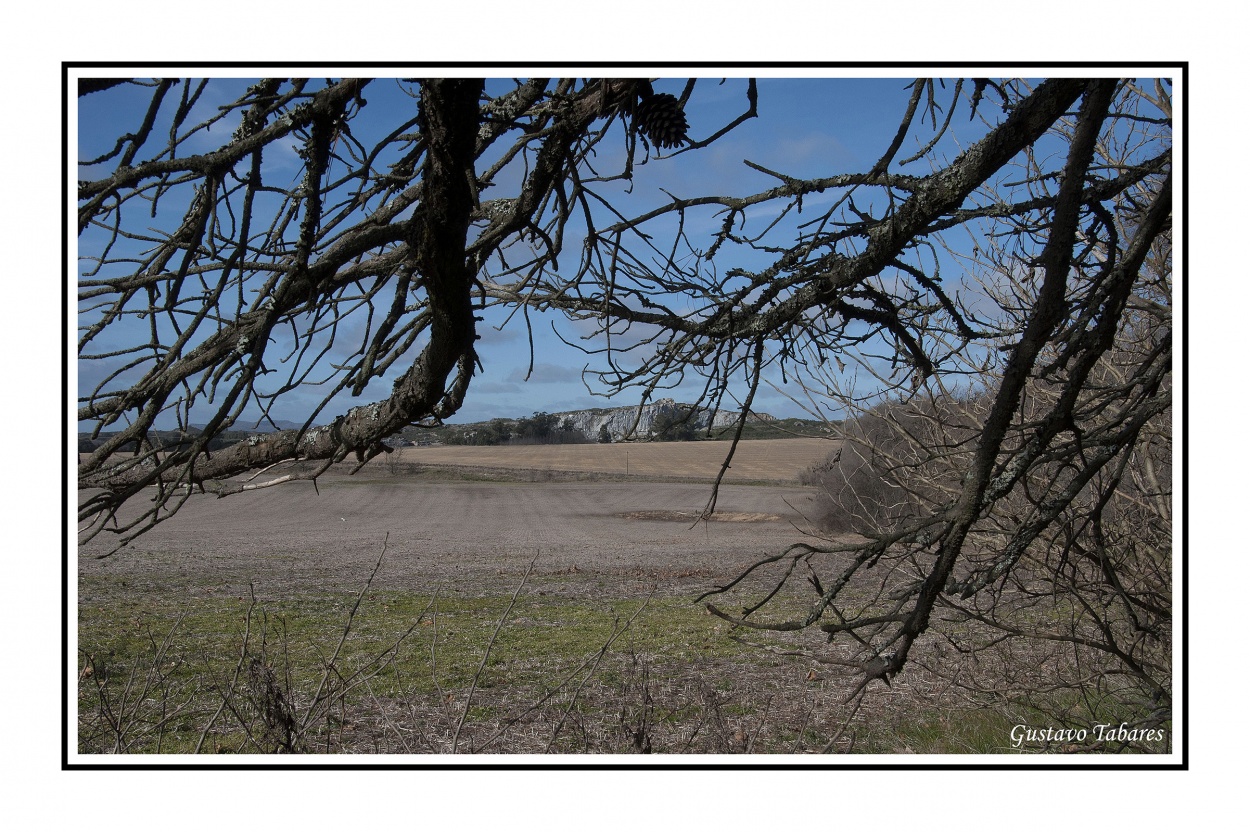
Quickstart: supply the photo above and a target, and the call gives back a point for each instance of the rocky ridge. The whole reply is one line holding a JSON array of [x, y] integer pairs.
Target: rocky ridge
[[620, 420]]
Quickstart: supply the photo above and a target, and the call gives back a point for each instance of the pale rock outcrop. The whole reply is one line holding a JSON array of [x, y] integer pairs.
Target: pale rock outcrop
[[620, 420]]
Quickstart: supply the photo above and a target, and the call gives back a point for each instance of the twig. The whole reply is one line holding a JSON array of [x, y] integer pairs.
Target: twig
[[842, 730], [598, 658], [347, 628], [455, 739], [228, 695]]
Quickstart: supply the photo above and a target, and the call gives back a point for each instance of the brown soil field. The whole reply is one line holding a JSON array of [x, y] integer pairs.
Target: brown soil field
[[763, 460], [465, 533], [480, 536]]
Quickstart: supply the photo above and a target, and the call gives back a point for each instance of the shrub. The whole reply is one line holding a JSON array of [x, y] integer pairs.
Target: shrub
[[895, 461]]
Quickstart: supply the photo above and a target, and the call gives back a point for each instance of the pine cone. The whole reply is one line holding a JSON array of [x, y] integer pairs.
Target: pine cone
[[661, 119]]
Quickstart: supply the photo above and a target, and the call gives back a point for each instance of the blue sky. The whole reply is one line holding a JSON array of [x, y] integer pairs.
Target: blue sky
[[806, 128]]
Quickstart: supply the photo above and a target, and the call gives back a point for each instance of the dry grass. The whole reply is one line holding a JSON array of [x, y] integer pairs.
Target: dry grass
[[764, 460]]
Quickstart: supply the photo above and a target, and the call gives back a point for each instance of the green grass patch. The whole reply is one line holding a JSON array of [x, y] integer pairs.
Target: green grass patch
[[147, 655]]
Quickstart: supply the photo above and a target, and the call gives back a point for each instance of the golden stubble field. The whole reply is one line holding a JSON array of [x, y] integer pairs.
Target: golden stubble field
[[764, 460]]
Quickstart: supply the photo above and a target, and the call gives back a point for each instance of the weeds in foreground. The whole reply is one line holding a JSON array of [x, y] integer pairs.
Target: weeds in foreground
[[447, 674]]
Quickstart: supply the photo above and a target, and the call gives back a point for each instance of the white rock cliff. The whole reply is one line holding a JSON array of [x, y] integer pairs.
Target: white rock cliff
[[620, 420]]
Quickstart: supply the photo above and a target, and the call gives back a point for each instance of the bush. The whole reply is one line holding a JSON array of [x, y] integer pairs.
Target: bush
[[674, 426], [895, 461]]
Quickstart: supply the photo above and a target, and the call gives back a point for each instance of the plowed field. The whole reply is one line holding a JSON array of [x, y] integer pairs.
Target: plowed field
[[471, 534]]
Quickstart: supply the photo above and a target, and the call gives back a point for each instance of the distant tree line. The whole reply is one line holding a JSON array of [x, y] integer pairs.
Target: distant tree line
[[540, 429]]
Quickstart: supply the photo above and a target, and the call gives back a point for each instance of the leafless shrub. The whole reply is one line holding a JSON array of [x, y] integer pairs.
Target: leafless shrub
[[895, 462], [1017, 502], [1064, 593], [135, 705]]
